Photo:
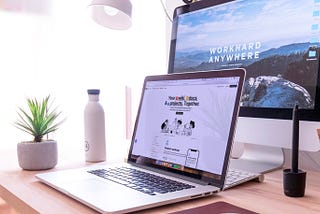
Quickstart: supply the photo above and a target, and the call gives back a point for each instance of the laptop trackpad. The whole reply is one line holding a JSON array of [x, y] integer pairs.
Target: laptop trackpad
[[104, 195]]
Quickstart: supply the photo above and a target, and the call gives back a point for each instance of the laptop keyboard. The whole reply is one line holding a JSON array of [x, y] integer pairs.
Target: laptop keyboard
[[235, 177], [141, 181]]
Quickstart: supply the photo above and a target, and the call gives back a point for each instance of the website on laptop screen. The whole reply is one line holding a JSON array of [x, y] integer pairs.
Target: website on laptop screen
[[185, 124]]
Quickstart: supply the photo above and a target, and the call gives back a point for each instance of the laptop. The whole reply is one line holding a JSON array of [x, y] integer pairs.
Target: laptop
[[181, 145]]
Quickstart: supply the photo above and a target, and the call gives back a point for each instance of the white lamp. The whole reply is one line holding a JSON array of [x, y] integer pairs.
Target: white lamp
[[114, 14]]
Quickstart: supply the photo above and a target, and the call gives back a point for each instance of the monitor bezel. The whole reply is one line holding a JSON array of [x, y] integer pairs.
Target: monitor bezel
[[266, 113]]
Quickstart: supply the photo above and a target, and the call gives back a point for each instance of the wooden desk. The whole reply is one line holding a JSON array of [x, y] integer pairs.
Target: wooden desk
[[27, 195]]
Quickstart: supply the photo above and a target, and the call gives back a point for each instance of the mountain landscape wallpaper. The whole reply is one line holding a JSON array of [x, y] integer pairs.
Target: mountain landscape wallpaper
[[278, 49]]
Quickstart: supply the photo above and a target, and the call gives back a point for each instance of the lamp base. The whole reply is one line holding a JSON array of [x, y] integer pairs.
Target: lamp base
[[294, 183]]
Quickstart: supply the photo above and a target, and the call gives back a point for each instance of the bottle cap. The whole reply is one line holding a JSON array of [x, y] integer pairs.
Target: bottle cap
[[93, 91]]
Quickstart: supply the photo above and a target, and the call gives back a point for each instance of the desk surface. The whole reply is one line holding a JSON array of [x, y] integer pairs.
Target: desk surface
[[27, 195]]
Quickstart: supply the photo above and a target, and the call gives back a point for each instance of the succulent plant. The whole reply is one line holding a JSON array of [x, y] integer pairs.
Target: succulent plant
[[39, 119]]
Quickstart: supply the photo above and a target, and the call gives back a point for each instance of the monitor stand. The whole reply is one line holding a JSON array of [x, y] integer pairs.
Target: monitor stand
[[258, 158]]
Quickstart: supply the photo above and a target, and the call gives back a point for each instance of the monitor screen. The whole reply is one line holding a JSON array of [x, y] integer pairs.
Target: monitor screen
[[276, 41]]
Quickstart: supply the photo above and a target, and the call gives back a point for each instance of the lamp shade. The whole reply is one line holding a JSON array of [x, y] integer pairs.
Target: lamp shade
[[114, 14]]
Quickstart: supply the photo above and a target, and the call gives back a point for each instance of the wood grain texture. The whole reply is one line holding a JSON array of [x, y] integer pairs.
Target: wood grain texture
[[21, 190]]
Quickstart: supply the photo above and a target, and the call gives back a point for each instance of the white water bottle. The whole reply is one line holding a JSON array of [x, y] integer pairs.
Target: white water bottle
[[94, 128]]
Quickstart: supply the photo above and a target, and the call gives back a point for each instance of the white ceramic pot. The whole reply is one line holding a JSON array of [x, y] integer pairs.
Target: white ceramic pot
[[37, 156]]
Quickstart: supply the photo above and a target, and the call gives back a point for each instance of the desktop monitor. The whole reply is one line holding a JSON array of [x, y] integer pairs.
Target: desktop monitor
[[277, 42]]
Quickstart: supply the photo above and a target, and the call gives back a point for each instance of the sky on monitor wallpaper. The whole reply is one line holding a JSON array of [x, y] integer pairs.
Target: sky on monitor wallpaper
[[276, 41]]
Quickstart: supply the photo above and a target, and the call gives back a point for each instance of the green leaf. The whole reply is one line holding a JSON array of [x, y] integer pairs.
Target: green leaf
[[38, 120]]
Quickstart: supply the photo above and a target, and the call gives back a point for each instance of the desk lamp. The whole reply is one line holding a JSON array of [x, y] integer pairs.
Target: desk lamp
[[114, 14]]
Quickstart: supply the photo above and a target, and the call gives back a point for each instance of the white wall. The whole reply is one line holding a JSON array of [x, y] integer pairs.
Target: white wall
[[63, 52], [57, 49]]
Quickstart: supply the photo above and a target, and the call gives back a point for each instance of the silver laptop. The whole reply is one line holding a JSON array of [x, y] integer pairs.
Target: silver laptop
[[179, 151]]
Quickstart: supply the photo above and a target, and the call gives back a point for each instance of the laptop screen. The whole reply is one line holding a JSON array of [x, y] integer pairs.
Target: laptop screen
[[184, 124]]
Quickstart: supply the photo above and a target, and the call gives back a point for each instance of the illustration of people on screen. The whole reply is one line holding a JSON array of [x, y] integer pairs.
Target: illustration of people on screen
[[165, 126], [187, 128], [177, 128]]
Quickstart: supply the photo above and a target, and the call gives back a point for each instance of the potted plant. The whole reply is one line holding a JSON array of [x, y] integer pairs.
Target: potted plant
[[38, 120]]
